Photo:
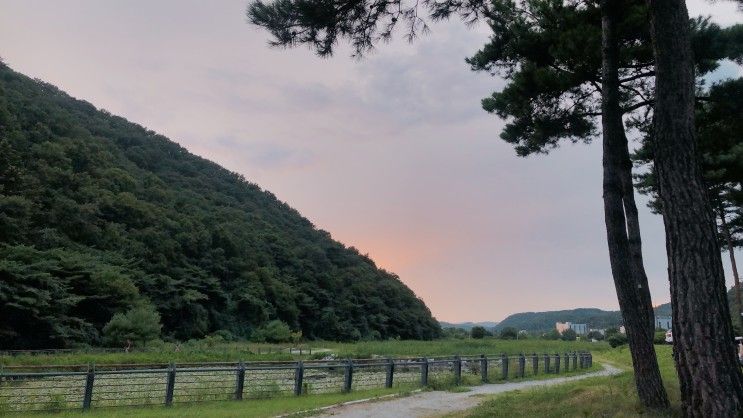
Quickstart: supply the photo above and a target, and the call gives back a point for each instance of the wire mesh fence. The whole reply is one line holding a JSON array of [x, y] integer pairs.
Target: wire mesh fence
[[57, 388]]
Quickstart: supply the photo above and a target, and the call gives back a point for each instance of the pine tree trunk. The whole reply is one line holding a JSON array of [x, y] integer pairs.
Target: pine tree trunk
[[733, 264], [622, 224], [710, 377]]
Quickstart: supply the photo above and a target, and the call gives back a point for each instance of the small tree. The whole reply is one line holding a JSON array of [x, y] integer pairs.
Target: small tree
[[275, 331], [140, 324], [595, 335], [611, 331], [569, 335], [508, 333], [478, 332], [551, 335], [616, 340]]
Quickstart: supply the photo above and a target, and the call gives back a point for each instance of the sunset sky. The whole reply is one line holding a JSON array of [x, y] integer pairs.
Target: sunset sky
[[391, 154]]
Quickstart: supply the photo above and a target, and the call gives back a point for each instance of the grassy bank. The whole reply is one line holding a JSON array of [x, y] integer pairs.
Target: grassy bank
[[256, 408], [613, 396], [440, 376], [207, 351]]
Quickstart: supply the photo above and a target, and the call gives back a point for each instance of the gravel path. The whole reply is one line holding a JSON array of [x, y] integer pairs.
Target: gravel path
[[426, 404]]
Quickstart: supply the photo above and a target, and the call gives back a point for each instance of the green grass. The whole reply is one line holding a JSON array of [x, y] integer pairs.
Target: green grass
[[198, 351], [285, 404], [255, 408], [613, 396]]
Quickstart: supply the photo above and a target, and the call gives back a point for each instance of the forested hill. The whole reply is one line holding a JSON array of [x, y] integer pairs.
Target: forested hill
[[98, 215], [594, 317], [543, 321]]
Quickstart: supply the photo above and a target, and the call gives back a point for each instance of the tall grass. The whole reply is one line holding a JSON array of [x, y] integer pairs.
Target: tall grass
[[613, 396], [195, 352]]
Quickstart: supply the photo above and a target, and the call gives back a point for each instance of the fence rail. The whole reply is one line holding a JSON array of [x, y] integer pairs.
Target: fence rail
[[55, 388]]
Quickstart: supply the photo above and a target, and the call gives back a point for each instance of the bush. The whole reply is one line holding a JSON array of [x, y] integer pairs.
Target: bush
[[616, 340], [138, 325], [478, 332], [275, 331], [595, 335], [660, 337], [611, 331], [551, 335], [225, 335], [569, 335], [508, 333]]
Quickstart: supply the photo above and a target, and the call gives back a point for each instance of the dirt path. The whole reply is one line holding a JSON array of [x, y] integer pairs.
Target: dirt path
[[426, 404]]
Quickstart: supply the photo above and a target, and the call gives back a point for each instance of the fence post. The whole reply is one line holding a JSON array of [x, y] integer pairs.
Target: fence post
[[546, 363], [240, 381], [557, 363], [567, 362], [575, 361], [424, 372], [170, 385], [457, 370], [590, 359], [89, 380], [484, 368], [298, 378], [522, 365], [535, 363], [349, 376], [390, 373], [504, 366]]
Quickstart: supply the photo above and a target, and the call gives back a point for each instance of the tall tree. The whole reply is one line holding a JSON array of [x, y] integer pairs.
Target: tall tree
[[711, 379], [622, 221], [562, 78], [719, 123]]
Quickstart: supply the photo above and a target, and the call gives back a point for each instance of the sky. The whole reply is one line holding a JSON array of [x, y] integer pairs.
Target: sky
[[391, 154]]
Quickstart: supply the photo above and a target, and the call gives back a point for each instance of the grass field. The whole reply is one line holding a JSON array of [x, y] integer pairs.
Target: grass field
[[207, 351], [440, 373], [613, 396], [257, 408]]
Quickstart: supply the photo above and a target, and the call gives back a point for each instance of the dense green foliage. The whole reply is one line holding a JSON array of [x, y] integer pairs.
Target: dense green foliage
[[138, 325], [98, 214], [719, 122], [213, 349], [568, 335]]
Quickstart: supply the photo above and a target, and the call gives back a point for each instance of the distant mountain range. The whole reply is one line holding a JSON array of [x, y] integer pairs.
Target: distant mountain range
[[544, 321], [468, 325]]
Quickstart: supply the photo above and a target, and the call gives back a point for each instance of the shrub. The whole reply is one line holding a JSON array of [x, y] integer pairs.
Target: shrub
[[595, 335], [508, 333], [660, 337], [275, 331], [478, 332], [616, 340], [138, 325], [611, 331], [568, 335], [551, 335]]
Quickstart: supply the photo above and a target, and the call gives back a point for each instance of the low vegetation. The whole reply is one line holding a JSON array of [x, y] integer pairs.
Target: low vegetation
[[216, 349], [614, 396]]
